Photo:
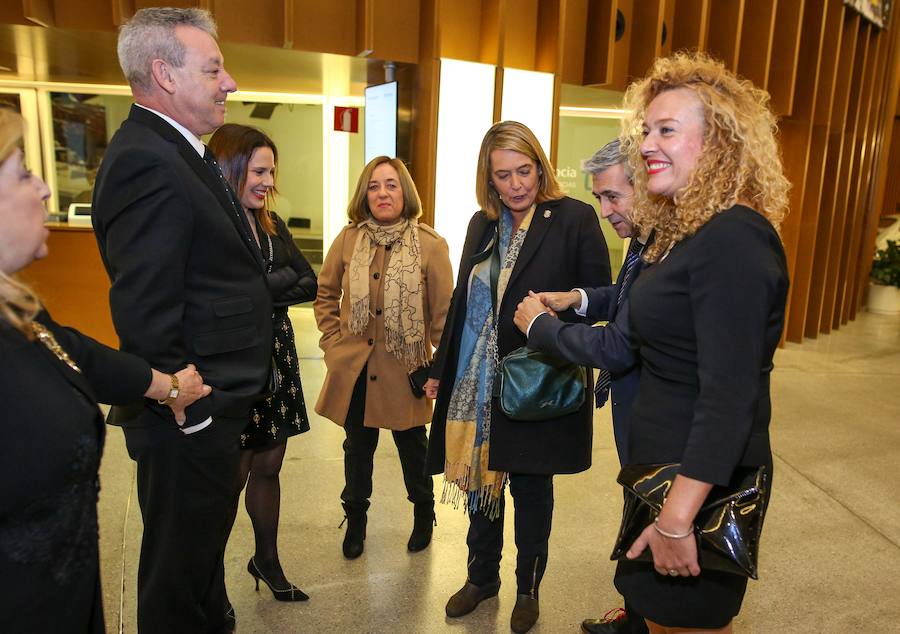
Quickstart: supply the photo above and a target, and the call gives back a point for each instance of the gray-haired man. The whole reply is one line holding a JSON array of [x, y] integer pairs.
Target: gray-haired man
[[608, 347], [188, 286]]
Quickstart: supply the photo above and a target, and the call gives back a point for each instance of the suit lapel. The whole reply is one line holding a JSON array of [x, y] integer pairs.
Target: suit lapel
[[202, 170]]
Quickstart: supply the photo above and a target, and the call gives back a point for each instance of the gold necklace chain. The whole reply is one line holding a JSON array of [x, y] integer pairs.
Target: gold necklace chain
[[46, 337]]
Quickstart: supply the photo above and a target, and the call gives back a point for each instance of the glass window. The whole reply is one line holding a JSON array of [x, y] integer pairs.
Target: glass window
[[82, 127]]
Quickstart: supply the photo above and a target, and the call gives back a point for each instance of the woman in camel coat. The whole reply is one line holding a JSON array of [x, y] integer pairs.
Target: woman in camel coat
[[396, 274]]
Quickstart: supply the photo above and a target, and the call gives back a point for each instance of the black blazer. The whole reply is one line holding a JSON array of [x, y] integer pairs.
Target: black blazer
[[564, 248], [188, 280], [606, 347], [49, 565], [291, 280]]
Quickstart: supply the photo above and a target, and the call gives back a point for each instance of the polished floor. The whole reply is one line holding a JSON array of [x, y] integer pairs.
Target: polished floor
[[830, 553]]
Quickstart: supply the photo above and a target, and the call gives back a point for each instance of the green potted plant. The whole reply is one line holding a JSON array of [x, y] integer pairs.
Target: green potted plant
[[884, 292]]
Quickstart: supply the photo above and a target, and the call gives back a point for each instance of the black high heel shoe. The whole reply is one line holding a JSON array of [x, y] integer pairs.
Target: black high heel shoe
[[291, 594]]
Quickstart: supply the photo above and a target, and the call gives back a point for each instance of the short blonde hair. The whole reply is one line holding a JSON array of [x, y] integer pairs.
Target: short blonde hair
[[515, 136], [740, 159], [358, 209], [18, 303]]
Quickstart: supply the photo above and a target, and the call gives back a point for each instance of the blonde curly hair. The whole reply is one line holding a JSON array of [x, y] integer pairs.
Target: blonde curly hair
[[740, 160]]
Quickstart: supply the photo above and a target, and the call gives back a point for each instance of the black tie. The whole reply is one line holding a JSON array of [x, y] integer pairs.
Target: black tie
[[604, 380], [235, 203]]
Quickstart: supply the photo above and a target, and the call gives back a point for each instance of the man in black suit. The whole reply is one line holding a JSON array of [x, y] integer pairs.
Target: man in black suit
[[606, 347], [188, 286]]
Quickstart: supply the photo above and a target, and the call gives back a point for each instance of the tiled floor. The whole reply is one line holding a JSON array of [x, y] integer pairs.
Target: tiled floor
[[830, 554]]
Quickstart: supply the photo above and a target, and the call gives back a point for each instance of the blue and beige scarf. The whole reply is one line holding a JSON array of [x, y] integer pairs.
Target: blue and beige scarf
[[468, 433]]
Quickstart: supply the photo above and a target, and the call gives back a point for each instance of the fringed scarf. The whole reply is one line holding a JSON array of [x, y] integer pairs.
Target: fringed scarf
[[468, 431], [404, 316]]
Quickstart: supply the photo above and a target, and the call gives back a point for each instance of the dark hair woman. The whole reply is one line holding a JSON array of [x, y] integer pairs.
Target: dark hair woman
[[249, 159]]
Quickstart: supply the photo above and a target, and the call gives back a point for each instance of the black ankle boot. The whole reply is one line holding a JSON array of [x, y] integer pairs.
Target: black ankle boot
[[356, 531], [424, 522]]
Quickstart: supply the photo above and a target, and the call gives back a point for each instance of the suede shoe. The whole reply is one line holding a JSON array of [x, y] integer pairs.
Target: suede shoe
[[613, 622], [469, 596], [525, 613], [356, 532]]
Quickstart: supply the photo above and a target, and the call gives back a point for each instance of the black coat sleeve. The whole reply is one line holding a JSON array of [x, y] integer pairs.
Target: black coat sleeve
[[294, 281], [117, 378], [735, 279]]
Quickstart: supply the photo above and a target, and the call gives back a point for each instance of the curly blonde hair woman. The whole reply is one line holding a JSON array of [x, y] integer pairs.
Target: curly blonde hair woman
[[708, 315], [741, 161]]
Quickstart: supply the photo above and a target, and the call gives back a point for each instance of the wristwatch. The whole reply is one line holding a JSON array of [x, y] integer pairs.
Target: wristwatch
[[173, 392]]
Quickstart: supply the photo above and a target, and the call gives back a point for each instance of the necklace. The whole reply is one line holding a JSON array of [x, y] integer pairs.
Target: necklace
[[46, 337]]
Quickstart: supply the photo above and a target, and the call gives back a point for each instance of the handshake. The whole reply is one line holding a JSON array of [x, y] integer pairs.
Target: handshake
[[537, 303]]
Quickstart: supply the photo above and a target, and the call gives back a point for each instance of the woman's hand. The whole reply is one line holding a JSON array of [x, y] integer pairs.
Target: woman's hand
[[431, 388], [190, 388], [529, 308], [669, 554]]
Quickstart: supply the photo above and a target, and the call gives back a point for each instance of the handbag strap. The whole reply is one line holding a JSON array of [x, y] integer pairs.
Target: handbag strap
[[495, 270]]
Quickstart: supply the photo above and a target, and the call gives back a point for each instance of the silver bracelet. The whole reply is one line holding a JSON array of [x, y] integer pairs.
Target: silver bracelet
[[668, 534]]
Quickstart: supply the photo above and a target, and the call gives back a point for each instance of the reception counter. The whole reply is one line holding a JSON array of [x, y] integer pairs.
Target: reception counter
[[72, 282]]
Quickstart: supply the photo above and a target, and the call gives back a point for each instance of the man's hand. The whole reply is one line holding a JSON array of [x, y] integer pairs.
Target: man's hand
[[431, 388], [559, 301], [190, 389], [529, 308]]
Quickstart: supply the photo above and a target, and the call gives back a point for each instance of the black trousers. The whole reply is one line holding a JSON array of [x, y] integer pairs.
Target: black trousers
[[187, 490], [359, 451], [533, 499]]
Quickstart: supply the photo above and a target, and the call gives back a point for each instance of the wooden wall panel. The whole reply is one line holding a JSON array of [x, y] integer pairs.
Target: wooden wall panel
[[646, 37], [690, 25], [326, 27], [843, 99], [796, 135], [390, 30], [425, 107], [828, 67], [726, 18], [519, 30], [490, 38], [600, 42], [757, 31], [891, 204], [88, 15], [622, 48], [668, 24], [785, 52], [862, 50], [250, 21], [865, 212], [548, 55]]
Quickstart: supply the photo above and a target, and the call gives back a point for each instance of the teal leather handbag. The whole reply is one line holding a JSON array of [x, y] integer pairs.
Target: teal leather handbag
[[535, 386]]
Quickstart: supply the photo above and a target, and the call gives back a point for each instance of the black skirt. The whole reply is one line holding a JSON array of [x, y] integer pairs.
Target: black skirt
[[276, 418]]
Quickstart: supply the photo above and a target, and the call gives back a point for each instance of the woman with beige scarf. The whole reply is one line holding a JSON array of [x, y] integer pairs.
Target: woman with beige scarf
[[384, 292]]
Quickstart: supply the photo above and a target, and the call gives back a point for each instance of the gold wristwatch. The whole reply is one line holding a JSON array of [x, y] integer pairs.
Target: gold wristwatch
[[173, 392]]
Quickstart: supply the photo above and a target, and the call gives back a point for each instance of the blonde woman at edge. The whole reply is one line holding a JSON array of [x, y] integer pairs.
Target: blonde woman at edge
[[51, 379], [384, 291]]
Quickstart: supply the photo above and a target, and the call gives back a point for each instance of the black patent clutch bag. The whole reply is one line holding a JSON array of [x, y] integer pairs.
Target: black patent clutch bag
[[727, 527]]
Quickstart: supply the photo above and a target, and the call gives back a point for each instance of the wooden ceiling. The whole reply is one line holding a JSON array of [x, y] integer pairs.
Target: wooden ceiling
[[34, 53]]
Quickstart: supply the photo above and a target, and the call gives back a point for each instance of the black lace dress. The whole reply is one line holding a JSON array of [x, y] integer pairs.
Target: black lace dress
[[49, 564], [291, 279]]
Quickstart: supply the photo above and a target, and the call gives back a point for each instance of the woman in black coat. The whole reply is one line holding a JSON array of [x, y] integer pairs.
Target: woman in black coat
[[51, 379], [546, 242], [707, 314]]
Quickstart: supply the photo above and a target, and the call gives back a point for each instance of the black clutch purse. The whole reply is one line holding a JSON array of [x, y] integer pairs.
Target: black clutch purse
[[536, 386], [417, 380], [727, 527]]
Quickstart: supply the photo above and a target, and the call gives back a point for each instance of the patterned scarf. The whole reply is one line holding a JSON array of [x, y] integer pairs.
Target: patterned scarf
[[404, 316], [469, 412]]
